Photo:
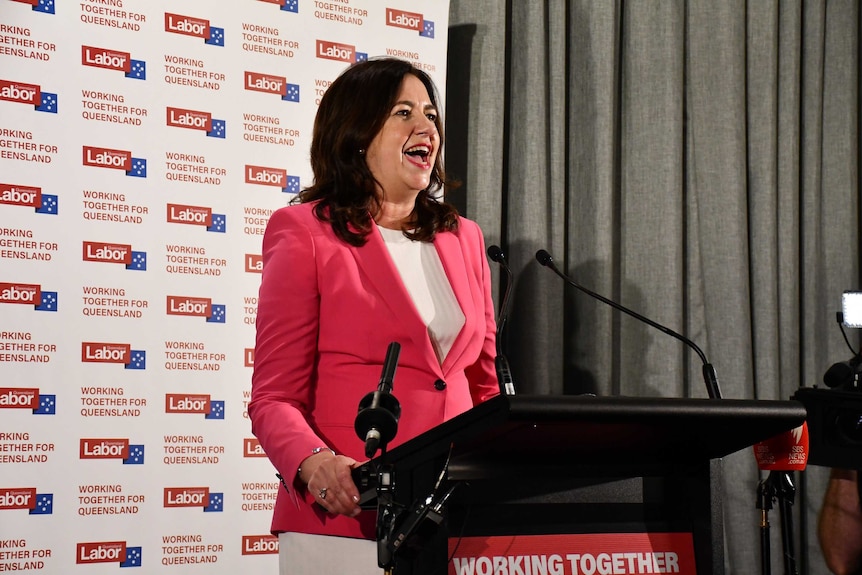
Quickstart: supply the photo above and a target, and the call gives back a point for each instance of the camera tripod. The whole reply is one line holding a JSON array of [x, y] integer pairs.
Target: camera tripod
[[778, 485]]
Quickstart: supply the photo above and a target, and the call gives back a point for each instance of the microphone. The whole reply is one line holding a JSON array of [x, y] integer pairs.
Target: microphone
[[504, 374], [710, 377], [844, 374], [786, 451], [377, 420]]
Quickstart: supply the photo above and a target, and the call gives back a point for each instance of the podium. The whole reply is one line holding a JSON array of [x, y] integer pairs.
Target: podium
[[549, 465]]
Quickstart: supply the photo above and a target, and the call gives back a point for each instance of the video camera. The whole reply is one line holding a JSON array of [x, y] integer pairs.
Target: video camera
[[835, 414]]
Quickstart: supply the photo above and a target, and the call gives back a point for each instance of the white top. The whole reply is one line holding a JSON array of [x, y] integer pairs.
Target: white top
[[422, 274]]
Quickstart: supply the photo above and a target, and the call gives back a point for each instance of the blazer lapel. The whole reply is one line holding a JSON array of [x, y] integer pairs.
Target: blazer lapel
[[373, 258], [452, 256]]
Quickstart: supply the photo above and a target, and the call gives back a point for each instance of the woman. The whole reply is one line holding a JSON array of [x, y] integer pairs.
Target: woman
[[367, 257]]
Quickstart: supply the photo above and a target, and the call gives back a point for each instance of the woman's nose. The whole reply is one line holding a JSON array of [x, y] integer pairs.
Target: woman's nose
[[426, 126]]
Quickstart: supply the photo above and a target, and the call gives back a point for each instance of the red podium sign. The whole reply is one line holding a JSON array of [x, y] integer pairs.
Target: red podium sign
[[590, 554]]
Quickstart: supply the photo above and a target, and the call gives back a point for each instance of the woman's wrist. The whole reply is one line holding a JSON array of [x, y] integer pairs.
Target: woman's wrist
[[309, 465]]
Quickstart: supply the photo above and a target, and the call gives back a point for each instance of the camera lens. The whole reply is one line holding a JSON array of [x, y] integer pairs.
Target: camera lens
[[848, 426]]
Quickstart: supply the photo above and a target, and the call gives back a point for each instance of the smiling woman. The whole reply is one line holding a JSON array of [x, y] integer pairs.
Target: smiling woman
[[401, 156], [359, 148], [367, 256]]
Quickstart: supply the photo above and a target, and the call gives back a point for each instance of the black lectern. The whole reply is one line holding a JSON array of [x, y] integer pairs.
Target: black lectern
[[550, 465]]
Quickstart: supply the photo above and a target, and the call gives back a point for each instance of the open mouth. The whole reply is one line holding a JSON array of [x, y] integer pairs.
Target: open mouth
[[420, 152]]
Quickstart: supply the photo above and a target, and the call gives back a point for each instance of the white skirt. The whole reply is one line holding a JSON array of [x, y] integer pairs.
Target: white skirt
[[305, 554]]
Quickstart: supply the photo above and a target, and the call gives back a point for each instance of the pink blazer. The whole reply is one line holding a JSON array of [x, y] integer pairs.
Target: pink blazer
[[327, 312]]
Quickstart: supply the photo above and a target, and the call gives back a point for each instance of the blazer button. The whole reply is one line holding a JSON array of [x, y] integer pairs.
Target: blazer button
[[439, 385]]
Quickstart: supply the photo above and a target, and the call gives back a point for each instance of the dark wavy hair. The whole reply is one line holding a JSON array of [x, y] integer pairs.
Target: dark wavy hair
[[351, 113]]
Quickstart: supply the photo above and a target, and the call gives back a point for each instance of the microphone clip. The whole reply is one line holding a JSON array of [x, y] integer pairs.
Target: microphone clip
[[778, 485], [377, 420]]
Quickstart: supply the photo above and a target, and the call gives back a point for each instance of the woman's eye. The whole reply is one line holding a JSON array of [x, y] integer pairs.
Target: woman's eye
[[402, 113], [432, 117]]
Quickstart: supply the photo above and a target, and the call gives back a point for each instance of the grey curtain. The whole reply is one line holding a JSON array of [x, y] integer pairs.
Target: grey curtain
[[697, 161]]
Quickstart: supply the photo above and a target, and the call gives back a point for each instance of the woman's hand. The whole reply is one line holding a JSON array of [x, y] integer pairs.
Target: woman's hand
[[327, 477]]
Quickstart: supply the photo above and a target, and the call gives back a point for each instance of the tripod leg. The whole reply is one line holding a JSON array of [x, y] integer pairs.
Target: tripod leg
[[785, 495], [787, 539], [765, 566], [764, 503]]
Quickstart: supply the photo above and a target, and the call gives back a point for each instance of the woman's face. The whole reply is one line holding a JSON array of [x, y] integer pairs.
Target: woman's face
[[401, 156]]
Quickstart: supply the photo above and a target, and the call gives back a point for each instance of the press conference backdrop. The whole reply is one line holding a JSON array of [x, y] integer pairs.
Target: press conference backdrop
[[143, 146]]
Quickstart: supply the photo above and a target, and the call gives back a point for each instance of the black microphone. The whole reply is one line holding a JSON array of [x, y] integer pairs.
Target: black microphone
[[709, 376], [844, 374], [377, 420], [390, 363], [504, 374]]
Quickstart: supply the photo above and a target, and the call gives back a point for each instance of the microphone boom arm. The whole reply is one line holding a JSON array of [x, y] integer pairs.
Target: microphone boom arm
[[709, 375]]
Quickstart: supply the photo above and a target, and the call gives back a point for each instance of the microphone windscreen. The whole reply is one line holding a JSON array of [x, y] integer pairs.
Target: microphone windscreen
[[496, 254], [544, 257], [839, 374], [787, 451]]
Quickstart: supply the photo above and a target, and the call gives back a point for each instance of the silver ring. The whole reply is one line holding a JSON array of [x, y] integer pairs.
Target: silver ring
[[322, 493]]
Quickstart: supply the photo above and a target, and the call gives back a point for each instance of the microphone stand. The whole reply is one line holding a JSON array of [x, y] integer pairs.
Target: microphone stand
[[764, 503], [501, 362], [377, 423], [398, 530], [778, 485]]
